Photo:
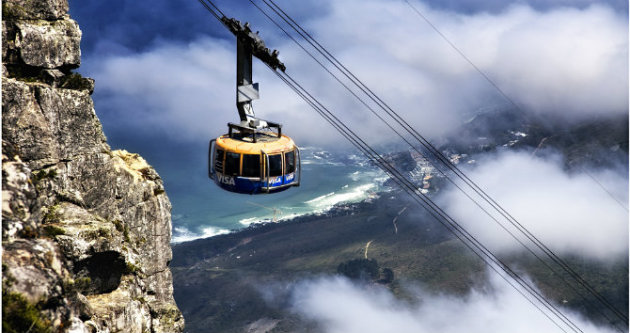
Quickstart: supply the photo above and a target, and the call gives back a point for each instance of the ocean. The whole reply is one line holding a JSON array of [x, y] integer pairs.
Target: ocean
[[328, 179]]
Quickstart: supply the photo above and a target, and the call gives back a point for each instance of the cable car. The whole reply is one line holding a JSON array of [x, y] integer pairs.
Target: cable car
[[253, 162], [254, 157]]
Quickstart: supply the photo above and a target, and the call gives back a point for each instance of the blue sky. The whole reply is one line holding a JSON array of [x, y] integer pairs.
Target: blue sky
[[135, 25], [165, 70], [168, 43]]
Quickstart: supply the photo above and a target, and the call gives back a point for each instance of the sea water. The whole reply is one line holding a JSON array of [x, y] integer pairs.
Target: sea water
[[328, 179]]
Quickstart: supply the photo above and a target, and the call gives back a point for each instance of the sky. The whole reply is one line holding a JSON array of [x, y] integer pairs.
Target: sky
[[165, 73], [165, 76], [172, 64]]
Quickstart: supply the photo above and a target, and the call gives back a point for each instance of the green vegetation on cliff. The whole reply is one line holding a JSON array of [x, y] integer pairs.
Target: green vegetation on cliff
[[19, 315]]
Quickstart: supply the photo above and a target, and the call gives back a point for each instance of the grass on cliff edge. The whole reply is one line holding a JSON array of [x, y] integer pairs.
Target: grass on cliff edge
[[19, 315]]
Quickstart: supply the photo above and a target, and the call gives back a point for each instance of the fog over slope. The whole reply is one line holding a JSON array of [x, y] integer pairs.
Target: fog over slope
[[338, 305], [569, 212]]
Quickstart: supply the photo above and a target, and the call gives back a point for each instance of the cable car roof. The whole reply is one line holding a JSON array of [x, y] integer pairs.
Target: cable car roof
[[268, 144]]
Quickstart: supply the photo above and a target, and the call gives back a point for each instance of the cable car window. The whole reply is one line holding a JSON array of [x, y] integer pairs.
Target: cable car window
[[275, 165], [218, 164], [251, 165], [232, 163], [289, 162]]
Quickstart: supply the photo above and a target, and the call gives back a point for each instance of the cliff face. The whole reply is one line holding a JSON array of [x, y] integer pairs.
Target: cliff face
[[85, 230]]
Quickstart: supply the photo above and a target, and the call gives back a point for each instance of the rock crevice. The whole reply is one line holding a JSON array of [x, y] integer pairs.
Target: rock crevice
[[85, 230]]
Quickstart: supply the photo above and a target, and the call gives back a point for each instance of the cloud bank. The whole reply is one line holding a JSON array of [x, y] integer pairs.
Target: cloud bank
[[179, 89], [339, 306], [493, 6], [564, 61], [570, 213]]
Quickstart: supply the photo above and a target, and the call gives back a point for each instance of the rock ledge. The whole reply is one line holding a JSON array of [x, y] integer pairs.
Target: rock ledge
[[85, 230]]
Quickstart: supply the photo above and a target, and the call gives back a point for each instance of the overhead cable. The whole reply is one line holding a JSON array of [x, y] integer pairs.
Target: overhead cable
[[434, 210], [461, 233], [435, 153], [545, 249]]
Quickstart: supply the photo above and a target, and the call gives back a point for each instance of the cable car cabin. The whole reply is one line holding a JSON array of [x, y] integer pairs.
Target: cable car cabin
[[254, 162], [252, 158]]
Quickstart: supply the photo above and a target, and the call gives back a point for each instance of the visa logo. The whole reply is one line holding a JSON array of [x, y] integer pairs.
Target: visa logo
[[227, 180]]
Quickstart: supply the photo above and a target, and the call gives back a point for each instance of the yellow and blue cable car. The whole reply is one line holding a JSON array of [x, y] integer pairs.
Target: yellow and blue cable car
[[238, 164], [254, 157]]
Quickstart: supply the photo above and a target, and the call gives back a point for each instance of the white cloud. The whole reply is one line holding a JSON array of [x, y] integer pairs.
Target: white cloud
[[339, 306], [179, 88], [565, 61], [498, 5], [570, 213]]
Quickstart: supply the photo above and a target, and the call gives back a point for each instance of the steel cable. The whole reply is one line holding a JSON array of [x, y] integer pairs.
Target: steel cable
[[462, 234], [437, 154], [412, 190]]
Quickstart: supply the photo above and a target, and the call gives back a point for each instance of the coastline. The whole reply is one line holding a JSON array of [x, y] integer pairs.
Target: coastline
[[341, 208]]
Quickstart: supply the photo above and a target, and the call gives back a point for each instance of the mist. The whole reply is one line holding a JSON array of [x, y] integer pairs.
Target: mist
[[338, 305], [566, 209], [569, 62]]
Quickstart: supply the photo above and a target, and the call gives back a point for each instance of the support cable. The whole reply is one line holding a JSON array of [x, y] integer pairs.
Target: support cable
[[435, 152], [462, 234], [463, 55], [560, 262], [435, 210]]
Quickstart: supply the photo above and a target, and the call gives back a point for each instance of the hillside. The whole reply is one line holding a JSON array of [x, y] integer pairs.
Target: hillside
[[217, 280], [221, 283]]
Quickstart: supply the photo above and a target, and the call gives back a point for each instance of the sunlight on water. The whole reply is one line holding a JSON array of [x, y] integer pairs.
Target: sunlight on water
[[181, 234], [328, 179]]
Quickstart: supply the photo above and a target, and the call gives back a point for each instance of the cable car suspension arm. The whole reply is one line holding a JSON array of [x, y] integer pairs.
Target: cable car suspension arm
[[248, 45]]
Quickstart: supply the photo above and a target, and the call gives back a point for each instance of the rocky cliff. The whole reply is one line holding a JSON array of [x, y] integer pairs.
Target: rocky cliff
[[85, 230]]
